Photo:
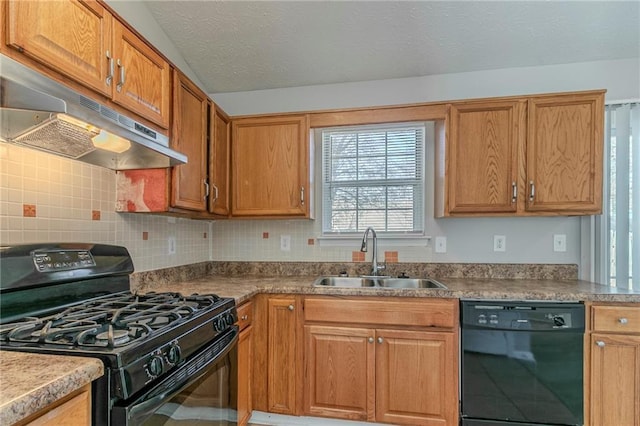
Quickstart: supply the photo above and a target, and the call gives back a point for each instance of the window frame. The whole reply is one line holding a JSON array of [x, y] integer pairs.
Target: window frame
[[419, 206]]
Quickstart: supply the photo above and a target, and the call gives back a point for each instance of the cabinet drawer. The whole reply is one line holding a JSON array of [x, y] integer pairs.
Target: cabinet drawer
[[245, 315], [622, 319], [413, 312]]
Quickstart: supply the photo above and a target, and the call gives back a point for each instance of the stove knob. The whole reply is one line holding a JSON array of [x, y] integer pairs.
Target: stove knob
[[174, 354], [155, 365]]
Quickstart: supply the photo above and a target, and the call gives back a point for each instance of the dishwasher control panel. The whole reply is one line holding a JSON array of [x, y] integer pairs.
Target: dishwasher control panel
[[523, 315]]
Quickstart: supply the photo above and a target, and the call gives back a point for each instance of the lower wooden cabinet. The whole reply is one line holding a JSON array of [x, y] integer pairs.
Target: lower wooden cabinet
[[615, 365], [72, 410], [397, 369], [277, 356], [244, 363]]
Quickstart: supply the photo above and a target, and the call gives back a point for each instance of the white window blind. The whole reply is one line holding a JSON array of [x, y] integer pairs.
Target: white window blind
[[619, 227], [373, 176]]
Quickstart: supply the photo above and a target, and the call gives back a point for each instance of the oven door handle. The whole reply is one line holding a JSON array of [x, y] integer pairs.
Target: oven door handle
[[150, 402]]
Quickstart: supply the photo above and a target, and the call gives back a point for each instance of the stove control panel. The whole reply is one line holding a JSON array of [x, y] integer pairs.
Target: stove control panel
[[58, 260]]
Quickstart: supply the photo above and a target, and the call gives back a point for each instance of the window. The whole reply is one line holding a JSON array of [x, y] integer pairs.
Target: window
[[619, 226], [373, 176]]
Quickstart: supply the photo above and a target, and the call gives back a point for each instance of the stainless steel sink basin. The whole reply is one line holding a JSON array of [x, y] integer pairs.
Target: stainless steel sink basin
[[379, 282]]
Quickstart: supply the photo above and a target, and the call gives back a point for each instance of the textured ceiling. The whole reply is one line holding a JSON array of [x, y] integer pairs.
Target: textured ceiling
[[241, 45]]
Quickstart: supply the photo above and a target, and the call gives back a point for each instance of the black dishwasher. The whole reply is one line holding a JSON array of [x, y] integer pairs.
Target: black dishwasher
[[521, 363]]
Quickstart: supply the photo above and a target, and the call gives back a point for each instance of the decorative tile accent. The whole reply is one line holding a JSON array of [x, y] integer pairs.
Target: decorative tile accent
[[29, 210], [204, 235], [145, 236], [311, 241], [391, 256], [95, 215], [357, 256], [265, 235]]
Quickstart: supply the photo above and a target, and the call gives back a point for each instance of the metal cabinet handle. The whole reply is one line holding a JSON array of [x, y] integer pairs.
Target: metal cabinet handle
[[600, 343], [206, 188], [215, 191], [514, 192], [111, 68], [380, 340], [291, 307], [623, 320], [122, 76], [245, 317], [532, 190], [370, 339], [302, 195]]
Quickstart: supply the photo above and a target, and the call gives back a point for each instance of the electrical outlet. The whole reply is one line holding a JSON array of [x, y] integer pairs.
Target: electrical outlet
[[499, 243], [171, 243], [441, 244], [285, 242], [559, 242]]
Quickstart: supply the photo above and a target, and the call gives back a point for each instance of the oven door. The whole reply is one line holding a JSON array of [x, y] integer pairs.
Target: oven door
[[201, 391]]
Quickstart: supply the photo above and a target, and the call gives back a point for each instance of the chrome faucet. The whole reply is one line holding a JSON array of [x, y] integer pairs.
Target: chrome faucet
[[375, 268]]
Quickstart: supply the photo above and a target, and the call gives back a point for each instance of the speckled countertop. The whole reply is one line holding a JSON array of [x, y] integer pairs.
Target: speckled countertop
[[30, 382], [244, 287]]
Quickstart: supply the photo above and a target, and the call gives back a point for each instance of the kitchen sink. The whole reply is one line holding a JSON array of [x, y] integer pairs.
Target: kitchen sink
[[378, 282]]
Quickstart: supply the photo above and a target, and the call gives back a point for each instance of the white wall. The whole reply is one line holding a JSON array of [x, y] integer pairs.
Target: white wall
[[621, 78]]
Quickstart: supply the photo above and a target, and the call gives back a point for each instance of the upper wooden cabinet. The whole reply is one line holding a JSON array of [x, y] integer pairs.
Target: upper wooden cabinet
[[484, 138], [270, 166], [74, 38], [219, 159], [81, 40], [538, 155], [565, 141], [189, 136], [142, 79]]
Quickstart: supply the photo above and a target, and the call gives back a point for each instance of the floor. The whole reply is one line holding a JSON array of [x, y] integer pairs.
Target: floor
[[260, 418]]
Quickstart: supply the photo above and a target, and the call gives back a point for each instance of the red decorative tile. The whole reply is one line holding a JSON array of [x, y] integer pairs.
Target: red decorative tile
[[357, 256], [95, 215], [145, 236], [391, 256], [265, 235], [311, 241], [29, 210]]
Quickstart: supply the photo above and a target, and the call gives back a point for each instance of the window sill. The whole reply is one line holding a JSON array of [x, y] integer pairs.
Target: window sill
[[383, 241]]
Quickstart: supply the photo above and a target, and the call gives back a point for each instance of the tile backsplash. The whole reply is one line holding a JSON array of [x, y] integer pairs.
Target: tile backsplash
[[46, 198]]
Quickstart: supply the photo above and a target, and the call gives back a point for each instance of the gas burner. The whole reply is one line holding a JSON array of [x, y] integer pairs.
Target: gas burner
[[119, 337]]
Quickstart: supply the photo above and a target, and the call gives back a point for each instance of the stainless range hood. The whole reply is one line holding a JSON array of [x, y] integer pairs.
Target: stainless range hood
[[40, 113]]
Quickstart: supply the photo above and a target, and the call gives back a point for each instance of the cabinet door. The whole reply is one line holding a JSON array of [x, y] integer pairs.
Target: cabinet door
[[416, 377], [339, 372], [72, 37], [484, 143], [564, 153], [219, 162], [244, 376], [270, 166], [189, 136], [282, 359], [142, 81], [615, 380]]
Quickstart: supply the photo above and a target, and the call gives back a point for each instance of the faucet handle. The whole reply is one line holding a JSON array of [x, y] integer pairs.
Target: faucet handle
[[381, 267]]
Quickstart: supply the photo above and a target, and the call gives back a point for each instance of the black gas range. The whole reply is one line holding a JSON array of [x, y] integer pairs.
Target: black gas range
[[74, 299]]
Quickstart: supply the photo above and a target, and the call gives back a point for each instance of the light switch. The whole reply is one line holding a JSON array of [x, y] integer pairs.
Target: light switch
[[441, 244], [285, 242], [559, 242]]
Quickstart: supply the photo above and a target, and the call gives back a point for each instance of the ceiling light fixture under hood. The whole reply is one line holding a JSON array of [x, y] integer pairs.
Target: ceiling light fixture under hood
[[40, 113]]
